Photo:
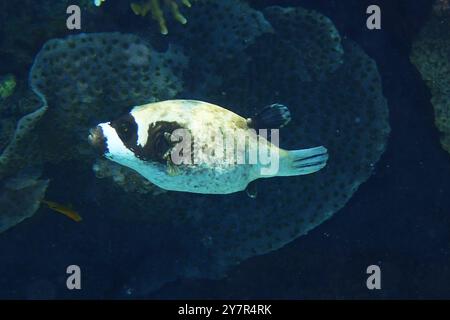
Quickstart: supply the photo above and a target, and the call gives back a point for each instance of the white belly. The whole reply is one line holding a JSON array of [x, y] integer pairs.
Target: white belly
[[199, 179]]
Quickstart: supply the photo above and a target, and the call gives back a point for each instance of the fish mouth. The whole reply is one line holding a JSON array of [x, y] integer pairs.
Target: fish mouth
[[98, 140]]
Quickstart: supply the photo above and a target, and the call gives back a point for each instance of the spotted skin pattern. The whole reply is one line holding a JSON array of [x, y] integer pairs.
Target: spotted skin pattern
[[210, 127]]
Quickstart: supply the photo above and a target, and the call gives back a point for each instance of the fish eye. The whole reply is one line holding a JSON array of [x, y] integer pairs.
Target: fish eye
[[126, 129]]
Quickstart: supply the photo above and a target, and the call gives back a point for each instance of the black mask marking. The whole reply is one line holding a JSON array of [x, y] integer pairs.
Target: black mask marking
[[127, 129], [157, 144]]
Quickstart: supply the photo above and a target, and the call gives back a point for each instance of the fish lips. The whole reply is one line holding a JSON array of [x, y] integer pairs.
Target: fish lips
[[97, 140]]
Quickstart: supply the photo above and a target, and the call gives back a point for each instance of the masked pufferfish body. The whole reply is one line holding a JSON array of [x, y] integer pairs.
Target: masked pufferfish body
[[144, 139]]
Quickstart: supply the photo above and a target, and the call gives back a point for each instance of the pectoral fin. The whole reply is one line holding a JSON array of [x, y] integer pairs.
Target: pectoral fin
[[252, 190]]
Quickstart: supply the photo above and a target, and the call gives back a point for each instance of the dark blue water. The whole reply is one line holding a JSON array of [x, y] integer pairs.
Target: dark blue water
[[399, 219]]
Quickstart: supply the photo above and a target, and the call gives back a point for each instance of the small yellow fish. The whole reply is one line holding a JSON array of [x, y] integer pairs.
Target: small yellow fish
[[68, 212]]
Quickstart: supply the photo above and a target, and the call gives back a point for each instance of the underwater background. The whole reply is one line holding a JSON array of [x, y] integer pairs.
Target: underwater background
[[394, 213]]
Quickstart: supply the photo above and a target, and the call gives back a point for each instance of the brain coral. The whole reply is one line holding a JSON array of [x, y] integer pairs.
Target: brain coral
[[241, 59], [431, 56], [321, 51]]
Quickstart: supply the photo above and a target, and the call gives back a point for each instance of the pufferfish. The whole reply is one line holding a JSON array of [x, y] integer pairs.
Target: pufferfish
[[199, 147]]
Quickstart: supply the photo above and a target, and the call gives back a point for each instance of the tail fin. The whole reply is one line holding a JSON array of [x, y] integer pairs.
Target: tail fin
[[304, 161]]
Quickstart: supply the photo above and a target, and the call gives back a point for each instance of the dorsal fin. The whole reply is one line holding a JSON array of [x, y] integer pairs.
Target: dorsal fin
[[270, 117]]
